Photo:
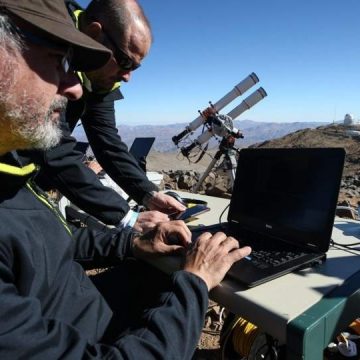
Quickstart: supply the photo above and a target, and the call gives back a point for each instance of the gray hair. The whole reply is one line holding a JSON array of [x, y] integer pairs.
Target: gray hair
[[10, 38]]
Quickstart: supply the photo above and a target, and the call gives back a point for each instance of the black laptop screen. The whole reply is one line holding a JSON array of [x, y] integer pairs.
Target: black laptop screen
[[140, 148], [288, 193]]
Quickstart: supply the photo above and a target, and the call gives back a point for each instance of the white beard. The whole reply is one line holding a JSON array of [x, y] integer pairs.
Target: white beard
[[31, 125], [40, 131]]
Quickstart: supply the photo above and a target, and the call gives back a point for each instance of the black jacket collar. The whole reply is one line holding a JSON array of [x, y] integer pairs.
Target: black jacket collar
[[12, 174]]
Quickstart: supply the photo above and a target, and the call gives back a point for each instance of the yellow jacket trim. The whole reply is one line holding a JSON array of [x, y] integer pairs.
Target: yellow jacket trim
[[24, 171], [43, 199], [18, 171]]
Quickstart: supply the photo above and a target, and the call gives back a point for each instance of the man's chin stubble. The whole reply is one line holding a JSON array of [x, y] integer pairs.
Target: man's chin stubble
[[38, 130]]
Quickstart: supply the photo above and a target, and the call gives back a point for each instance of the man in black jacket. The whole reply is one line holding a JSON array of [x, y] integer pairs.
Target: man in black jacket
[[121, 26], [49, 308]]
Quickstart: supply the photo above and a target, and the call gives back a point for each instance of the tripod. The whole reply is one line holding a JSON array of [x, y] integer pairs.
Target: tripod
[[226, 149]]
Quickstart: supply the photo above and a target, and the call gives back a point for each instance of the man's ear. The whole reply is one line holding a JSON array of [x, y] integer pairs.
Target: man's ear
[[93, 30]]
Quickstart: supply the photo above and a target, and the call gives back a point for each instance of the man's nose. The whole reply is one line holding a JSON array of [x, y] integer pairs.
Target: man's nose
[[70, 86], [124, 76]]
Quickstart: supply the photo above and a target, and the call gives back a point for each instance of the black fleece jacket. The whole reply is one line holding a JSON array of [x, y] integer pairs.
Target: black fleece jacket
[[62, 167], [50, 309]]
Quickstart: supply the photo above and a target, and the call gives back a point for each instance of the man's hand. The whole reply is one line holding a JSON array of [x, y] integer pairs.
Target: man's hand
[[212, 256], [164, 203], [147, 220], [94, 166], [167, 238]]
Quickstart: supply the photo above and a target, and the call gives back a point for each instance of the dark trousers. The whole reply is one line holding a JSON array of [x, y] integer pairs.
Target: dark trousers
[[130, 289]]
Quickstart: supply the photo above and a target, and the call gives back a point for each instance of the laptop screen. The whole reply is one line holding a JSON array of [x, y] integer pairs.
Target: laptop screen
[[289, 194], [141, 146]]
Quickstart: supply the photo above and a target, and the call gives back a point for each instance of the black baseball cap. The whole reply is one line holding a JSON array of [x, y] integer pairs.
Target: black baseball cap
[[52, 19]]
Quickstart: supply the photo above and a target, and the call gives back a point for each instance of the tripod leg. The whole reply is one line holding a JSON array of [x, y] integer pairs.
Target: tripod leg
[[232, 171], [206, 173]]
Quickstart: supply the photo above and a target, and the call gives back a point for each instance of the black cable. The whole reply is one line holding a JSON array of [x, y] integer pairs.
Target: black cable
[[344, 248], [332, 242], [346, 245], [222, 213]]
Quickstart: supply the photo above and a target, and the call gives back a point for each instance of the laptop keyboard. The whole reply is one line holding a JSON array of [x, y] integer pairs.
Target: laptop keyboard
[[264, 258], [264, 255]]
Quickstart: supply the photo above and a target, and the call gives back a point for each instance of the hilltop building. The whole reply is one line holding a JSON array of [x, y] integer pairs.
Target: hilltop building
[[349, 120], [352, 125]]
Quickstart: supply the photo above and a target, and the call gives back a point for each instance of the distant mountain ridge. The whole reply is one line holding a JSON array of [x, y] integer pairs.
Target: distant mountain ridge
[[178, 169], [253, 131]]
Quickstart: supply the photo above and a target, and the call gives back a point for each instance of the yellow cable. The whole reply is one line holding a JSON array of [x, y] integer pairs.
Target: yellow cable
[[243, 334]]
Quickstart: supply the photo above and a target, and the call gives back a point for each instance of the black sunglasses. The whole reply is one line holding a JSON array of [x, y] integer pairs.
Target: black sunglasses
[[42, 41], [123, 60]]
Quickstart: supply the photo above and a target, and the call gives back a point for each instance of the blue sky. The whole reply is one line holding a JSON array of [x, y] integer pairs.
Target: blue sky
[[306, 54]]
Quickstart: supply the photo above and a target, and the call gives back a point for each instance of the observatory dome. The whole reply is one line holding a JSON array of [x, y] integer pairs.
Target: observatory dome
[[348, 119]]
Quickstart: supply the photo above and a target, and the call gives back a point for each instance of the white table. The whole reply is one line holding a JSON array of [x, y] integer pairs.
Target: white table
[[303, 309]]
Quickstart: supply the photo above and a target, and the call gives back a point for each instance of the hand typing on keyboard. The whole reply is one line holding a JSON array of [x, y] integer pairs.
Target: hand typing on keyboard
[[212, 255], [209, 257]]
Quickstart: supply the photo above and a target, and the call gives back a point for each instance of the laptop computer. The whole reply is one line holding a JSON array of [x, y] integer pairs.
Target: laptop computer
[[283, 206], [140, 149]]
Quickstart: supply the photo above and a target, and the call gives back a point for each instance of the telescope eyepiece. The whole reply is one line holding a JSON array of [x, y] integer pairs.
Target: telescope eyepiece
[[186, 150], [176, 139]]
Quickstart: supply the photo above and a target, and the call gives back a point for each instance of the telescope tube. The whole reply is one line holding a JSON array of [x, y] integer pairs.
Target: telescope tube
[[247, 103], [238, 90]]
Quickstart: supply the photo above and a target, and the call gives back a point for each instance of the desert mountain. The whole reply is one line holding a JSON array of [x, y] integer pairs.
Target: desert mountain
[[174, 166], [166, 157], [253, 132], [323, 136]]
